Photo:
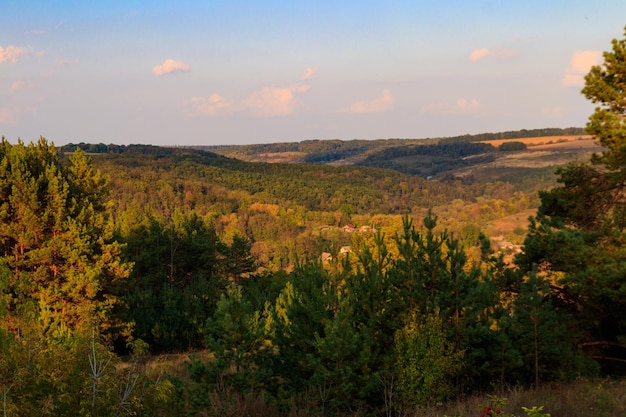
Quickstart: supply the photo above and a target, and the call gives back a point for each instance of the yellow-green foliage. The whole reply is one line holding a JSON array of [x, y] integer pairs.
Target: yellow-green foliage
[[425, 361]]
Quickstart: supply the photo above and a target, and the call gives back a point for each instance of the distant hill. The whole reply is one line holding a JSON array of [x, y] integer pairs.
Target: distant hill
[[137, 170], [464, 182], [470, 155], [334, 150], [468, 158]]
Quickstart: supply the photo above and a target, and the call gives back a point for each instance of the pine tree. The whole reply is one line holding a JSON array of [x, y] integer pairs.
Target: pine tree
[[426, 361], [56, 238], [577, 238]]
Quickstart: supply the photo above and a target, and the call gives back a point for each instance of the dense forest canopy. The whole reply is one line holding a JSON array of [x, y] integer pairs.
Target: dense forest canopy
[[301, 288]]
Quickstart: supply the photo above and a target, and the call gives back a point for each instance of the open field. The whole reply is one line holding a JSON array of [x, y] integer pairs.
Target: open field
[[543, 140], [540, 155], [279, 157]]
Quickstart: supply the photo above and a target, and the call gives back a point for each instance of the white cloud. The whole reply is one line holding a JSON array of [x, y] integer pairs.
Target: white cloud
[[461, 106], [275, 101], [170, 66], [210, 106], [580, 64], [377, 105], [269, 101], [500, 53], [12, 54]]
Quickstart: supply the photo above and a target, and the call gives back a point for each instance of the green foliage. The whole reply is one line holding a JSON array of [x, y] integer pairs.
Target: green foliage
[[76, 375], [180, 270], [583, 200], [426, 362], [577, 237], [426, 160], [497, 404], [412, 310], [319, 342], [605, 86], [512, 146], [535, 412], [57, 239], [238, 337], [433, 275], [539, 335]]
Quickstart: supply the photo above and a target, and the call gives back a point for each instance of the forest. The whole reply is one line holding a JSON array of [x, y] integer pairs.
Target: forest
[[147, 281]]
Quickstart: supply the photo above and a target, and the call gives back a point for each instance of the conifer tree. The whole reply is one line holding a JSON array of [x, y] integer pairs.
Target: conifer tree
[[538, 335], [577, 238], [56, 238]]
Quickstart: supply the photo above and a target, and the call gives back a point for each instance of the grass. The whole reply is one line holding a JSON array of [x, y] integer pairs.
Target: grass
[[582, 398]]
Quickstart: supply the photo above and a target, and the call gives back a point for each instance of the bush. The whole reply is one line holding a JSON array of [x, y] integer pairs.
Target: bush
[[512, 146]]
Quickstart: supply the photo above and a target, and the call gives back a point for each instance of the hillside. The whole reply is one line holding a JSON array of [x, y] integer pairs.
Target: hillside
[[467, 157], [272, 203]]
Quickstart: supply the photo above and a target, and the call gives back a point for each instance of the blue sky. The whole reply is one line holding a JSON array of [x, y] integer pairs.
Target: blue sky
[[241, 72]]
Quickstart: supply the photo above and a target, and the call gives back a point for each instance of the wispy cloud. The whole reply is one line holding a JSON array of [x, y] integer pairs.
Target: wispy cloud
[[12, 54], [580, 64], [67, 62], [9, 115], [210, 106], [499, 53], [40, 32], [378, 105], [19, 85], [170, 66], [270, 101], [461, 106], [555, 112], [309, 73]]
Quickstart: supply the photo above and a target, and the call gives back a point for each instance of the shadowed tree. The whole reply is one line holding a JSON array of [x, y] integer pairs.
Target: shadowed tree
[[577, 238]]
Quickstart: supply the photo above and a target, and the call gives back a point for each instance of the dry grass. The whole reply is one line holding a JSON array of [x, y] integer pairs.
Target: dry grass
[[543, 140], [270, 157], [540, 155], [583, 398]]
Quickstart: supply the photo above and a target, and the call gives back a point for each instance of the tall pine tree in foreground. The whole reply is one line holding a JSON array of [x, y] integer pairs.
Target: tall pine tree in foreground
[[60, 276], [577, 240], [56, 241]]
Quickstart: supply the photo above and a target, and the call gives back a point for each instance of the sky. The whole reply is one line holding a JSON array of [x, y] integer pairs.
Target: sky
[[236, 72]]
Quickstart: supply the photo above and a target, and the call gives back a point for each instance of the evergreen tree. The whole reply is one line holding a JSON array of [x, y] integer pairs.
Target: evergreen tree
[[577, 238], [56, 238], [240, 341], [181, 267], [545, 349], [433, 277], [426, 361], [60, 280]]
